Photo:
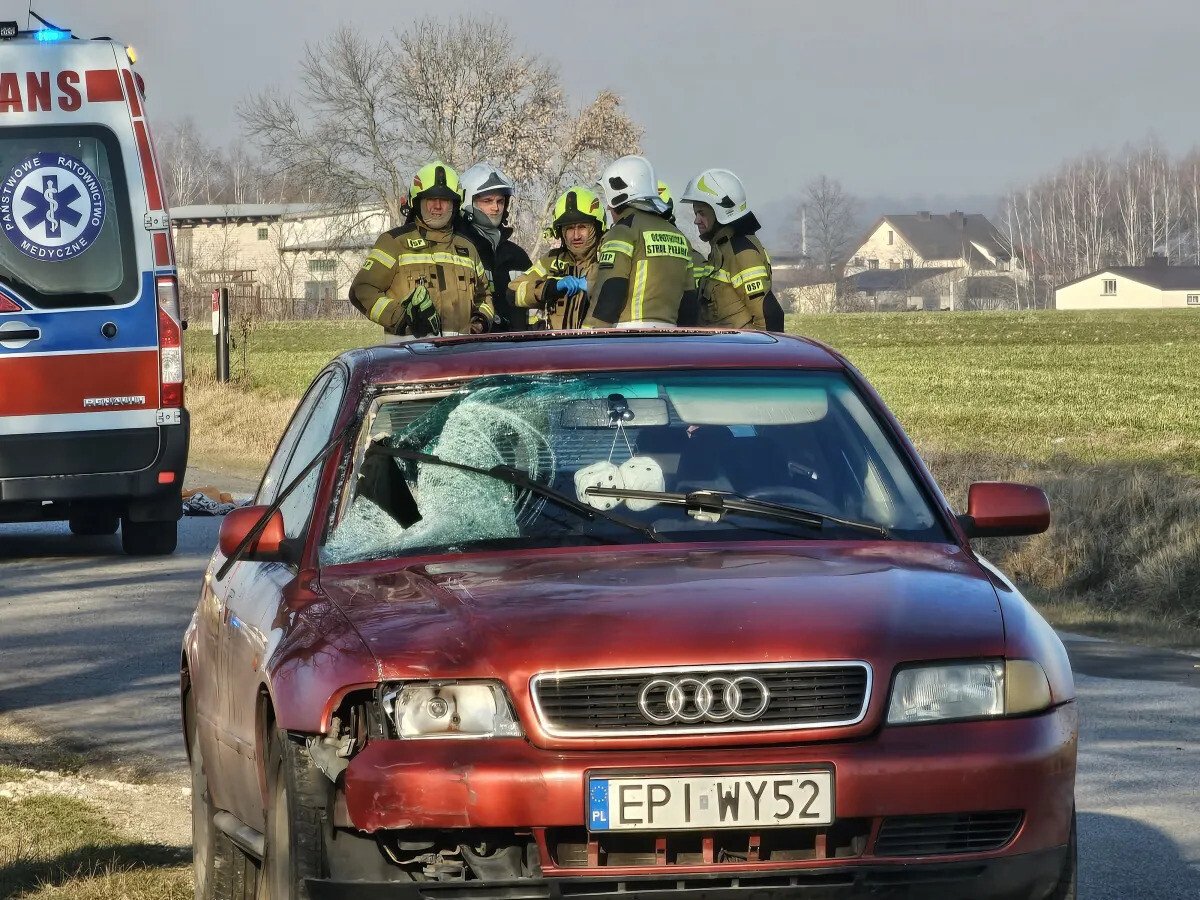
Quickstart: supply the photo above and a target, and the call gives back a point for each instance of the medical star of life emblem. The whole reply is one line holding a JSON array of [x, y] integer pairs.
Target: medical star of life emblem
[[51, 206]]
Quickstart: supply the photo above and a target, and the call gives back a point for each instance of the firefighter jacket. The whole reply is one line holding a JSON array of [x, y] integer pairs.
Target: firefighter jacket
[[445, 262], [644, 268], [535, 290], [500, 261], [737, 280]]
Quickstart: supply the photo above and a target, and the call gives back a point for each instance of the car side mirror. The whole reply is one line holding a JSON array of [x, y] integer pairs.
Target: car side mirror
[[270, 545], [1003, 509]]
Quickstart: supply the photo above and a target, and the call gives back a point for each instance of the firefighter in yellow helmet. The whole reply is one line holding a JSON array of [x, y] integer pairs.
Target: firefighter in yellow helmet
[[424, 278], [558, 288], [735, 290], [644, 264]]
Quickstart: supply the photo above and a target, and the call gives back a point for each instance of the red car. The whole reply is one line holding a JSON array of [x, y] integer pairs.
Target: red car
[[584, 614]]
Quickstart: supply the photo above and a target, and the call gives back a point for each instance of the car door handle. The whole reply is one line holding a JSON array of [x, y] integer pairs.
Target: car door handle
[[20, 334]]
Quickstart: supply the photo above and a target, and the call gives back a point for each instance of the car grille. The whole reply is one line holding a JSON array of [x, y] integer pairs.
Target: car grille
[[936, 835], [606, 703]]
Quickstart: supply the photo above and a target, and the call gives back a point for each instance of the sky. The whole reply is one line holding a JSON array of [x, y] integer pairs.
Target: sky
[[935, 102]]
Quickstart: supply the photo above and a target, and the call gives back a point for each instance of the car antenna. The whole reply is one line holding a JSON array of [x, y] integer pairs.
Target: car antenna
[[254, 533], [48, 24]]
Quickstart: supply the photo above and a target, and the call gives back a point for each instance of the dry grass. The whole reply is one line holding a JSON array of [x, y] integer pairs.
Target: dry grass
[[1123, 549], [64, 848], [235, 427]]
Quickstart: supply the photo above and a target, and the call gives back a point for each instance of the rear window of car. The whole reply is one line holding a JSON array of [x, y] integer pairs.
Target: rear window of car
[[65, 215], [804, 440]]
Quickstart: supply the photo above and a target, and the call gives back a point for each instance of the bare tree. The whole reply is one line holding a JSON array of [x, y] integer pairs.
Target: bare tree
[[831, 216], [370, 110], [188, 162]]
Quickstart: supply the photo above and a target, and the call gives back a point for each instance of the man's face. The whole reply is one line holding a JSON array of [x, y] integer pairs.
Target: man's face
[[492, 204], [704, 218], [436, 211], [578, 236]]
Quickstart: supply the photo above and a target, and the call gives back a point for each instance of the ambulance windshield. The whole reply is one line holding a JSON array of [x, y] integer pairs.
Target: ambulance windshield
[[64, 212]]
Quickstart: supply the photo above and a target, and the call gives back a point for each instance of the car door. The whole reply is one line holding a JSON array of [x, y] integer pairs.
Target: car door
[[250, 623]]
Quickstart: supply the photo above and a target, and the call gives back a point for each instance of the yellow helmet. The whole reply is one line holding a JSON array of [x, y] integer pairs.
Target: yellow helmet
[[664, 194], [436, 179], [577, 204]]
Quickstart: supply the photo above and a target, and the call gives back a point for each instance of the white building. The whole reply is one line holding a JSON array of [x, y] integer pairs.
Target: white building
[[272, 251], [1154, 285]]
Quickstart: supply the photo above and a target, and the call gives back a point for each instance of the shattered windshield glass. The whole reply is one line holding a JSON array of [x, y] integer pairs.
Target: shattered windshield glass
[[804, 440]]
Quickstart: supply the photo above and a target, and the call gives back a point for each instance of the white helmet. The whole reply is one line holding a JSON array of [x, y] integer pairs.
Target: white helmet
[[628, 179], [483, 178], [720, 189]]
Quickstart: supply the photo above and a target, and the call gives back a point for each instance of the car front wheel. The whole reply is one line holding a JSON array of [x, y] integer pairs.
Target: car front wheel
[[295, 838], [219, 870]]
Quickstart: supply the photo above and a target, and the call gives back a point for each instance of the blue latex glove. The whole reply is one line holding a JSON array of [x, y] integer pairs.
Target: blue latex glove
[[572, 284]]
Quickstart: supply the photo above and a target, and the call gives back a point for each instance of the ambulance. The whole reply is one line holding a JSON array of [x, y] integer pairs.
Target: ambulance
[[93, 429]]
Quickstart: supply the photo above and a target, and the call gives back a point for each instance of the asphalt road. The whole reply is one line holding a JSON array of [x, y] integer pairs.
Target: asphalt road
[[89, 650]]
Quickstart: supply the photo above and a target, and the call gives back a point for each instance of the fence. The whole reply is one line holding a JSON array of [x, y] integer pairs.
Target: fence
[[197, 307]]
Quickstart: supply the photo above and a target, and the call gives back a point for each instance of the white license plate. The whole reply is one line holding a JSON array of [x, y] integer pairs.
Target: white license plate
[[760, 800]]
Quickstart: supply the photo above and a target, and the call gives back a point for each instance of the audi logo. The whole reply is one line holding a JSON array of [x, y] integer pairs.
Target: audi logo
[[689, 699]]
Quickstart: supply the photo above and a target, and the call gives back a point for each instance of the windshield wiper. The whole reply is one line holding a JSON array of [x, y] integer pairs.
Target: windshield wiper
[[710, 506], [521, 479]]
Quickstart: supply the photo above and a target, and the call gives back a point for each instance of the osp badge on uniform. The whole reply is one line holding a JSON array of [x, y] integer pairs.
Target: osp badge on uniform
[[51, 206]]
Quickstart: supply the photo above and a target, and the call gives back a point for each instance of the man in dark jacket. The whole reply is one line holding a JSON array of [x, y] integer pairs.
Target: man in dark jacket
[[488, 196]]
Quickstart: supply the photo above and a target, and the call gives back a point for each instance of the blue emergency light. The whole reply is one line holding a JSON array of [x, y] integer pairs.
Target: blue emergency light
[[49, 35]]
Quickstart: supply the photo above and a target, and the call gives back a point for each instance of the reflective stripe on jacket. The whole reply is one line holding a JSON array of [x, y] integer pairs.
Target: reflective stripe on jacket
[[445, 262], [535, 290], [736, 282], [644, 268]]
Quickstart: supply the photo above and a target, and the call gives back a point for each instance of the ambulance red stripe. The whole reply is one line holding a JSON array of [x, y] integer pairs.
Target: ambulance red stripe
[[131, 94], [162, 250], [153, 193], [103, 85], [59, 383]]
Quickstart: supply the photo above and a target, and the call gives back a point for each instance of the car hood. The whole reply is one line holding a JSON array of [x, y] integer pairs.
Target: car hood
[[513, 615]]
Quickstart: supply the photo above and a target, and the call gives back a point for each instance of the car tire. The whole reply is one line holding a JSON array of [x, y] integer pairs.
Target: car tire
[[297, 797], [1066, 889], [149, 538], [214, 856], [93, 523]]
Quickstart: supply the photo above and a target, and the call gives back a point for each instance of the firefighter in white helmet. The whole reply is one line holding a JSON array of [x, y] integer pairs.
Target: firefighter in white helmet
[[425, 278], [487, 202], [644, 262], [735, 290]]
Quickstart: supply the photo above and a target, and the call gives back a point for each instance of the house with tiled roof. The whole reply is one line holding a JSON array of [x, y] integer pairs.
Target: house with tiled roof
[[925, 240]]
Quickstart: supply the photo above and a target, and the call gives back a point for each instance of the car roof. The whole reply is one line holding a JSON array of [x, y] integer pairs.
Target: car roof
[[534, 352]]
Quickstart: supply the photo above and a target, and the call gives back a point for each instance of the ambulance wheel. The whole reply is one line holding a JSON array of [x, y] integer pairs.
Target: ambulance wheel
[[149, 538], [89, 523]]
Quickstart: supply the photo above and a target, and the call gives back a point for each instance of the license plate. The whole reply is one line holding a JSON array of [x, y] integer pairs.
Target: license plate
[[712, 801]]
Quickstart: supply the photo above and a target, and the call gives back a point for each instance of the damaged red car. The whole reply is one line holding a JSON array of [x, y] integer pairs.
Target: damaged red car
[[591, 614]]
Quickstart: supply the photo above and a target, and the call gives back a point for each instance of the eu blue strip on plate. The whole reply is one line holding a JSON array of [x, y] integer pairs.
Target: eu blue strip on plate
[[598, 811]]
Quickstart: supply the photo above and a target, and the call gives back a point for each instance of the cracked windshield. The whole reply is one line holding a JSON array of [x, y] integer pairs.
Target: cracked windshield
[[617, 458]]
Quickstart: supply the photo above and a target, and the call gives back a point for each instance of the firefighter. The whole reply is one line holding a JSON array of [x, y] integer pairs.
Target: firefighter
[[487, 201], [735, 290], [644, 263], [558, 288], [689, 307], [425, 279]]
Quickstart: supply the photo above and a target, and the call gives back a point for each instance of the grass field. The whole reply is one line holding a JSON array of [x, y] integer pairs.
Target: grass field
[[1099, 409], [1094, 387]]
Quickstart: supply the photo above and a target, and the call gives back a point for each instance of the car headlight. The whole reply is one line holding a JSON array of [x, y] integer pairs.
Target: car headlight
[[462, 709], [976, 690]]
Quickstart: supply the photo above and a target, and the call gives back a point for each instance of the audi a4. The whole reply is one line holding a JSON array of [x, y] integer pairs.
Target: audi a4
[[584, 614]]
